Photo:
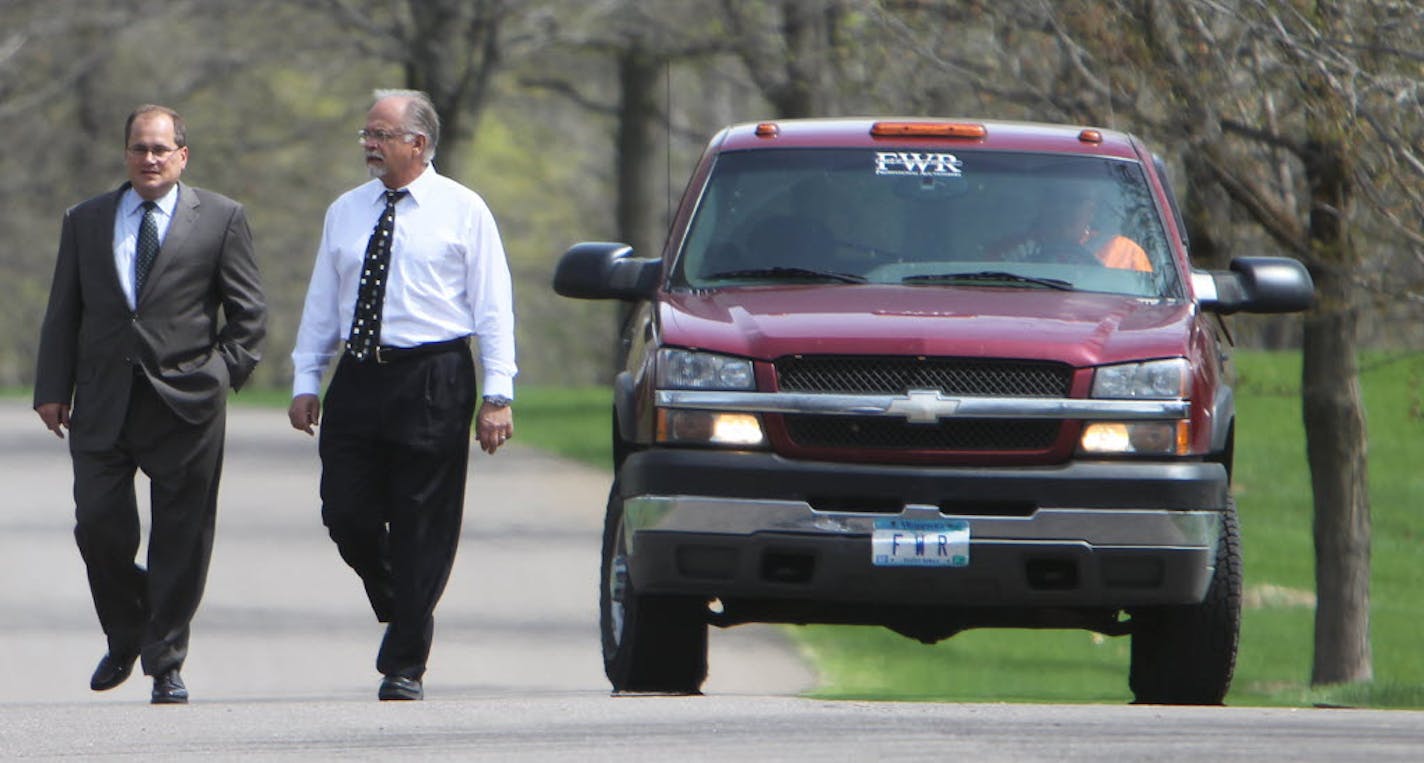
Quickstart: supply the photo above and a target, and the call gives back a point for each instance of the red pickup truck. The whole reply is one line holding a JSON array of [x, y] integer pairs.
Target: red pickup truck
[[930, 375]]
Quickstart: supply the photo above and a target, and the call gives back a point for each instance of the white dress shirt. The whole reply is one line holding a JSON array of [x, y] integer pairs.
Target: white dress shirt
[[126, 222], [448, 279]]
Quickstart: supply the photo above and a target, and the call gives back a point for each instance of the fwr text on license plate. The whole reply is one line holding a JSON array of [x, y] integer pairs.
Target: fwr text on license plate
[[920, 543]]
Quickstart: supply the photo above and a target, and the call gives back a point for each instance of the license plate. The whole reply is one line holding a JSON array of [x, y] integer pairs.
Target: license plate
[[920, 543]]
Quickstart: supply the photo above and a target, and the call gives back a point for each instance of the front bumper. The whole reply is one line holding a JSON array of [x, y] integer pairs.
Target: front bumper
[[755, 526]]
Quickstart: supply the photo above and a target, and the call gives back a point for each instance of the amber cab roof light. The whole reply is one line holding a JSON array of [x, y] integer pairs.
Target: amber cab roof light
[[768, 130], [927, 130], [1090, 135]]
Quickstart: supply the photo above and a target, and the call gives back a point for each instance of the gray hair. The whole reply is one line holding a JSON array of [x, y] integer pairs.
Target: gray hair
[[420, 116]]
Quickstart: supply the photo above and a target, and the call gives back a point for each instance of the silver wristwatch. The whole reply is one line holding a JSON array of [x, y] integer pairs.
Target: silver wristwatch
[[497, 401]]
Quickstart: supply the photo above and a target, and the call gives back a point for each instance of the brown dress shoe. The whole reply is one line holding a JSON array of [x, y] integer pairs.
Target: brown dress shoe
[[112, 671], [168, 689]]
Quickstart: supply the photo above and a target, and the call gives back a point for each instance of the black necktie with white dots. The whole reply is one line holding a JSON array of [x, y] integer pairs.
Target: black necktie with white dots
[[371, 293]]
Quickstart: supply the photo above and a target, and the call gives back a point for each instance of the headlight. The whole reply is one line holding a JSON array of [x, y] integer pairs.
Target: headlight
[[1153, 380], [685, 369], [689, 427], [1154, 438]]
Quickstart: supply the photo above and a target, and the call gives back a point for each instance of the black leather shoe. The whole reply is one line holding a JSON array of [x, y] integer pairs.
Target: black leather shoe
[[401, 687], [112, 671], [168, 689]]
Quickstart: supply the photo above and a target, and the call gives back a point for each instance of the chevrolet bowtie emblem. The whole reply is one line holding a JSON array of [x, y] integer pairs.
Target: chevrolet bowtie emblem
[[922, 406]]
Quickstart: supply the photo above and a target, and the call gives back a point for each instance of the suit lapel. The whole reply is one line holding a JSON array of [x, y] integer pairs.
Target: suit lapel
[[185, 216], [105, 233]]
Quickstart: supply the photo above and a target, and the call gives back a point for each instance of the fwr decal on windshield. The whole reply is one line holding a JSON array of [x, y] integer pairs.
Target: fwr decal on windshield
[[923, 165]]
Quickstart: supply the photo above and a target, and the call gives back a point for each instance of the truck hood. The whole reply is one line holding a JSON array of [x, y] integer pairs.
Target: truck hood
[[1078, 328]]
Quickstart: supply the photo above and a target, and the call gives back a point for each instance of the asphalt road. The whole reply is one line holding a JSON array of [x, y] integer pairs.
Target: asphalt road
[[281, 664]]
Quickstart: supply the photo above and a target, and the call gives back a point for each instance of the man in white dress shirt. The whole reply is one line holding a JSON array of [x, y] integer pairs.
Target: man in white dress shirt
[[395, 437]]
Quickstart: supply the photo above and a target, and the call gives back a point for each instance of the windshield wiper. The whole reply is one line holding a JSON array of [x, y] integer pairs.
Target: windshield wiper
[[785, 272], [989, 275]]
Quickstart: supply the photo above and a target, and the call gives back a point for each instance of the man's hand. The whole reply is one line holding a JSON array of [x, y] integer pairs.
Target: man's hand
[[493, 425], [305, 412], [55, 417]]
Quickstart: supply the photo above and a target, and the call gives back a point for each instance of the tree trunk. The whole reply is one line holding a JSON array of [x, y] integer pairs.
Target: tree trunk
[[1336, 444], [1206, 211], [638, 118], [789, 67], [452, 52], [798, 96], [637, 208]]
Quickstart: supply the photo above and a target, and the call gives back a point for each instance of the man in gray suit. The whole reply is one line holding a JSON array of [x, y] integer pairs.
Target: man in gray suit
[[134, 362]]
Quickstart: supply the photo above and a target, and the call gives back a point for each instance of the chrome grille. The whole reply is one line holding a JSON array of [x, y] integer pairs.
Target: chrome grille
[[897, 375]]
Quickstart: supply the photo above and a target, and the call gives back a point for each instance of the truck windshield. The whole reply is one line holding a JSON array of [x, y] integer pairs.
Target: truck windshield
[[987, 219]]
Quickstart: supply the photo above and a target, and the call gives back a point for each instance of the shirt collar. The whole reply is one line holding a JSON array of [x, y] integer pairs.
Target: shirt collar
[[417, 188], [131, 202]]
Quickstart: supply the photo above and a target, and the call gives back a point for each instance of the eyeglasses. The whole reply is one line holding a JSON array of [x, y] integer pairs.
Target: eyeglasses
[[381, 136], [161, 153]]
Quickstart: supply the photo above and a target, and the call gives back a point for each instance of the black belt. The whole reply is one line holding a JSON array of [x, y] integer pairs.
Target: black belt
[[386, 354]]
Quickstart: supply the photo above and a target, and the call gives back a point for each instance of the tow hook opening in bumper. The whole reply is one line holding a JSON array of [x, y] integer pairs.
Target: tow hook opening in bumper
[[703, 561], [1051, 574], [778, 566]]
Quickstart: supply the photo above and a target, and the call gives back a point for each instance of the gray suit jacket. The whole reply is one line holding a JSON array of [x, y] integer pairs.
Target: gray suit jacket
[[90, 340]]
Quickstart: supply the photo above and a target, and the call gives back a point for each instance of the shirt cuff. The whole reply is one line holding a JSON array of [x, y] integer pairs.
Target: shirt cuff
[[306, 384], [497, 384]]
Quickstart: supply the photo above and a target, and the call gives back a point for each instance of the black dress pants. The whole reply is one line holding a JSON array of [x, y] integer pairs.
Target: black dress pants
[[394, 445], [146, 610]]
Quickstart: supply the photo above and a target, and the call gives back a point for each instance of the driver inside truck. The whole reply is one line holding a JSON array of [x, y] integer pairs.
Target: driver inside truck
[[1068, 229]]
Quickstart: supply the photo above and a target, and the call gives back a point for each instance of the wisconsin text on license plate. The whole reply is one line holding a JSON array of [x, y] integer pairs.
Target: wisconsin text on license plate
[[920, 543]]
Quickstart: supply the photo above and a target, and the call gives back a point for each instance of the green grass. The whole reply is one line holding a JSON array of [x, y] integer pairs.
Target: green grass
[[570, 422]]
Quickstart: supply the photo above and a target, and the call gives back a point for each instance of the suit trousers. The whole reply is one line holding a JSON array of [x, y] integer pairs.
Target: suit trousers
[[394, 445], [147, 610]]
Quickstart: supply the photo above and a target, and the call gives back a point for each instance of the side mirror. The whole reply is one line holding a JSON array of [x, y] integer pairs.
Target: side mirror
[[1256, 285], [606, 270]]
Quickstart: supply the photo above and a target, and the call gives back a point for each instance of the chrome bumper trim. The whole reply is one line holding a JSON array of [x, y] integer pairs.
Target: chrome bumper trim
[[1140, 528], [924, 406]]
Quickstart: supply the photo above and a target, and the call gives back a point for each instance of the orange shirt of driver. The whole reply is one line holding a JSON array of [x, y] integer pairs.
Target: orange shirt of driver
[[1123, 252]]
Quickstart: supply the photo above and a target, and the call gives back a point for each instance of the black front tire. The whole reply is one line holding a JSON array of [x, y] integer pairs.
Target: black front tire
[[650, 643], [1185, 655]]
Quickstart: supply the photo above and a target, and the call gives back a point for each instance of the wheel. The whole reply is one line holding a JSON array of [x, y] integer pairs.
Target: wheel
[[1185, 655], [650, 643]]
